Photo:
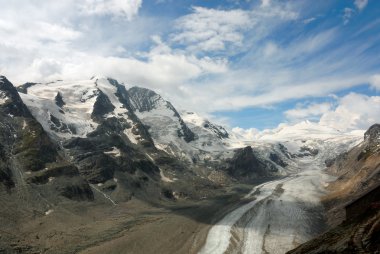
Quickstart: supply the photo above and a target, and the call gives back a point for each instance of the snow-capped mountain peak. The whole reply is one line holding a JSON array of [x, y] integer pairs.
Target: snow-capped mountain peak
[[68, 109]]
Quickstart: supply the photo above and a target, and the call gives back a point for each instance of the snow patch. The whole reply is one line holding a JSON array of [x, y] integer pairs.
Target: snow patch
[[132, 137], [3, 98], [165, 178], [24, 125], [115, 152], [49, 211], [162, 175], [104, 194]]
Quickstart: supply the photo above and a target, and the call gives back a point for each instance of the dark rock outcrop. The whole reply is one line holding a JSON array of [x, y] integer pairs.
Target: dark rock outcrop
[[218, 130], [59, 100], [102, 107], [277, 159], [246, 165]]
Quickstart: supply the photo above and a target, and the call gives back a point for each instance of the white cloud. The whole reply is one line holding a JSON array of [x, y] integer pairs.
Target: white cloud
[[361, 4], [309, 20], [309, 112], [265, 3], [122, 8], [46, 67], [270, 49], [160, 69], [354, 111], [375, 81], [247, 134], [347, 14], [211, 29]]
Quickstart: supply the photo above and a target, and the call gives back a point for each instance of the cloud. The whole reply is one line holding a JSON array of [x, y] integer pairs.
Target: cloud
[[354, 111], [247, 134], [270, 49], [347, 14], [223, 59], [265, 3], [375, 81], [121, 8], [309, 20], [211, 29], [361, 4], [311, 111], [161, 68]]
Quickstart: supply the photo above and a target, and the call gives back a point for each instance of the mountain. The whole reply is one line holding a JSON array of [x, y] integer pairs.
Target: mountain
[[29, 156], [179, 133], [97, 158], [81, 115]]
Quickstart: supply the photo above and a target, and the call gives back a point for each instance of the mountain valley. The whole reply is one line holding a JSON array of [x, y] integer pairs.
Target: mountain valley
[[92, 166]]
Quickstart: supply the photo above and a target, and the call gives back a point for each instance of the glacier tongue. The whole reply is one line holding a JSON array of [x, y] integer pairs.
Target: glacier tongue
[[287, 212]]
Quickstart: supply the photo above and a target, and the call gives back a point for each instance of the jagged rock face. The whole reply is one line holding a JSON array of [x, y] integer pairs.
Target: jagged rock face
[[24, 88], [371, 144], [144, 100], [372, 135], [246, 166], [218, 130], [277, 159], [59, 100], [22, 136], [10, 101], [102, 106]]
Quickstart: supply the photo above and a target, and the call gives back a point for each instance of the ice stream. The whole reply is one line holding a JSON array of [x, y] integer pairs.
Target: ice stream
[[281, 215]]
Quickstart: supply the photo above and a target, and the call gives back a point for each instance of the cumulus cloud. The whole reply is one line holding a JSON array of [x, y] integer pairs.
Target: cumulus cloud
[[211, 29], [247, 134], [122, 8], [215, 30], [354, 111]]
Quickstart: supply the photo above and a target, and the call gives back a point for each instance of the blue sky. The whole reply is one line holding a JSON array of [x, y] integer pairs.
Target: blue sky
[[248, 63]]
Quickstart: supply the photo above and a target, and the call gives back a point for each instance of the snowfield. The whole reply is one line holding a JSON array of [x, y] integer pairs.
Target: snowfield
[[286, 212]]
